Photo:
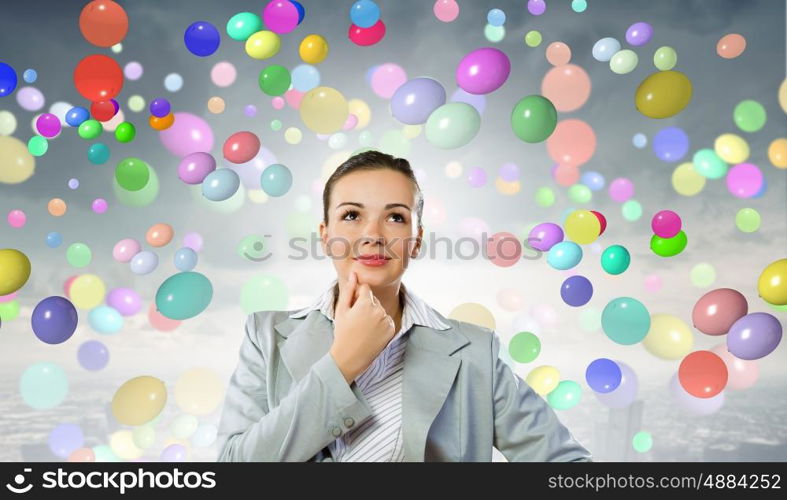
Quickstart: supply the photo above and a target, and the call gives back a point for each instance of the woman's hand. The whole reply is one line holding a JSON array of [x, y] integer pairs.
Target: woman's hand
[[362, 328]]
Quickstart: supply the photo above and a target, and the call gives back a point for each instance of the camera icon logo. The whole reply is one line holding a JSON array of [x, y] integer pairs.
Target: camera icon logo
[[19, 480]]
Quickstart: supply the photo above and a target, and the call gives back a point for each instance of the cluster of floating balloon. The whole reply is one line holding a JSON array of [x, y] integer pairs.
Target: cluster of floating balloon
[[668, 239]]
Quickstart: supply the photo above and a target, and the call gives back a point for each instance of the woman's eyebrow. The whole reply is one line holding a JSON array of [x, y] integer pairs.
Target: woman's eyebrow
[[360, 205]]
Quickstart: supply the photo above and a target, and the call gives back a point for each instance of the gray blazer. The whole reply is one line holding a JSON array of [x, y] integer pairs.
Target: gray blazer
[[287, 399]]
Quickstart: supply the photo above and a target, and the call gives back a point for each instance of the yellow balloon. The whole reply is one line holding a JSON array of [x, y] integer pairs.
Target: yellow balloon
[[686, 180], [122, 444], [14, 270], [16, 162], [507, 187], [87, 291], [139, 400], [412, 131], [198, 391], [731, 148], [783, 95], [324, 110], [313, 49], [361, 111], [663, 94], [471, 312], [772, 284], [582, 226], [669, 337], [777, 152], [543, 379], [263, 44], [293, 135]]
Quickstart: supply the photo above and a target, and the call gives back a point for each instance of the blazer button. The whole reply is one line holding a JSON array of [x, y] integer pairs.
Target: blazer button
[[349, 422], [336, 431]]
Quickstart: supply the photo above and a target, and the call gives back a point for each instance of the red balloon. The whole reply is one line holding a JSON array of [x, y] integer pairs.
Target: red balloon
[[103, 23], [98, 78], [601, 220], [367, 36], [241, 147], [103, 110], [703, 374]]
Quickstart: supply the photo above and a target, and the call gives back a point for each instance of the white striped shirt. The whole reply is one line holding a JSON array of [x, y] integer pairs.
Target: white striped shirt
[[379, 438]]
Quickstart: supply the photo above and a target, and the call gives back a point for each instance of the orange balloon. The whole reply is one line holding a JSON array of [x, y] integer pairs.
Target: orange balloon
[[159, 235], [82, 455], [161, 123], [731, 46], [777, 152], [567, 175], [103, 23], [161, 322], [572, 143], [56, 207], [558, 53], [703, 374], [567, 86]]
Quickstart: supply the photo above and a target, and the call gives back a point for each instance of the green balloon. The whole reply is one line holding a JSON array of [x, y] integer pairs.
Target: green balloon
[[708, 164], [665, 58], [632, 210], [590, 319], [565, 396], [365, 138], [748, 220], [9, 310], [79, 255], [615, 259], [141, 198], [452, 125], [534, 118], [184, 295], [275, 80], [533, 38], [395, 143], [37, 145], [524, 347], [276, 125], [749, 115], [625, 320], [132, 174], [242, 25], [494, 33], [263, 293], [623, 61], [703, 275], [642, 441], [580, 193], [90, 129], [668, 247], [125, 132], [545, 197]]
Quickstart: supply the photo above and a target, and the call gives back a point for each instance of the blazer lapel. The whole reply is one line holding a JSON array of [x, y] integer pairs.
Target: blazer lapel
[[307, 341]]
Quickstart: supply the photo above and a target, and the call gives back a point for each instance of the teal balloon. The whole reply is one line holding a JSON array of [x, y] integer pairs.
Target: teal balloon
[[534, 118], [242, 25], [105, 320], [709, 164], [452, 125], [276, 180], [625, 320], [564, 255], [43, 385], [98, 153], [565, 396], [184, 295], [615, 259]]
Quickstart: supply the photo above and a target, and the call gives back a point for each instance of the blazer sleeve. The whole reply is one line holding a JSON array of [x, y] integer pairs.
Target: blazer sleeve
[[526, 428], [313, 413]]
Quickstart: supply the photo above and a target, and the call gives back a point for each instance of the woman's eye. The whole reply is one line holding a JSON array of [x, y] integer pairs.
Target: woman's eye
[[399, 216], [351, 212]]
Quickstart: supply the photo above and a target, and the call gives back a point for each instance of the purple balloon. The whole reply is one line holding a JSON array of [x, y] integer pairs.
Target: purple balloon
[[692, 404], [476, 177], [625, 393], [476, 101], [621, 189], [189, 134], [670, 144], [414, 101], [544, 236], [160, 107], [93, 355], [125, 300], [745, 180], [195, 167], [483, 70], [639, 34], [754, 336], [48, 125], [509, 172], [174, 453], [603, 375], [54, 320], [536, 7], [576, 290], [65, 438]]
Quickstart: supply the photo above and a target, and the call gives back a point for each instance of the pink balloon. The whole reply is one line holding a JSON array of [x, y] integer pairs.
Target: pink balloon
[[566, 175], [223, 74], [653, 283], [17, 218], [742, 373], [193, 240], [387, 78], [125, 300], [666, 224], [189, 134], [621, 189], [351, 122], [483, 70], [744, 180], [503, 249], [293, 98], [241, 147], [8, 298], [558, 53], [277, 102], [572, 143], [126, 249], [159, 321], [446, 10], [716, 311], [567, 86], [280, 16]]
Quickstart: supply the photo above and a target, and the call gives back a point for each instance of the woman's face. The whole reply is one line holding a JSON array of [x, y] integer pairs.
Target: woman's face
[[372, 212]]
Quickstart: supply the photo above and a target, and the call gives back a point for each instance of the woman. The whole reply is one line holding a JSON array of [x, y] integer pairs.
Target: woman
[[369, 371]]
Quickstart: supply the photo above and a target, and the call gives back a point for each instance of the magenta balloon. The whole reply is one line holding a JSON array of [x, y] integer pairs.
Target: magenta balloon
[[280, 16], [544, 236], [483, 70], [195, 167], [189, 134], [125, 300], [754, 336], [692, 404], [625, 393], [717, 310], [48, 125], [666, 224]]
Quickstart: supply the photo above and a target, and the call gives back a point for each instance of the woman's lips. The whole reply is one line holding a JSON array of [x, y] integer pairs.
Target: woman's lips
[[372, 261]]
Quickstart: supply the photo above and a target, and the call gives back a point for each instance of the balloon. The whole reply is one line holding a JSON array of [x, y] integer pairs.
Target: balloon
[[446, 10], [731, 148], [242, 25], [276, 180], [536, 7], [625, 320], [702, 374], [185, 259], [48, 125], [87, 291], [16, 162], [125, 132], [621, 189], [626, 391], [749, 115], [54, 239], [742, 373], [386, 78], [275, 80], [220, 184], [159, 321], [184, 295], [99, 205], [263, 45], [534, 118], [731, 46], [543, 379], [125, 301], [37, 145], [324, 110], [668, 247], [452, 125], [30, 98], [747, 220], [82, 455], [160, 107], [198, 391], [567, 87], [708, 164], [173, 453], [364, 13], [572, 143], [125, 249], [161, 123], [98, 77], [666, 223], [623, 61], [194, 167], [193, 240], [771, 285], [14, 270], [65, 438], [566, 395], [483, 70], [366, 36], [533, 38], [98, 153], [564, 255], [605, 48], [669, 337], [93, 355], [189, 134], [132, 174], [415, 100], [139, 400], [241, 147], [313, 49], [558, 53], [663, 94], [202, 38], [105, 320], [103, 23], [43, 385], [76, 116], [8, 79], [280, 16], [754, 336], [744, 180], [576, 291], [665, 58], [544, 236], [524, 347], [603, 375], [716, 311], [670, 144], [601, 220], [54, 320], [144, 262], [615, 259], [639, 34], [691, 404], [582, 226], [90, 129]]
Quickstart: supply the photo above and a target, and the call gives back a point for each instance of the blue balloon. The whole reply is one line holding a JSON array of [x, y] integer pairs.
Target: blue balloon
[[763, 188], [564, 255], [105, 319], [301, 10], [184, 295], [76, 116], [145, 262], [603, 375], [604, 49], [54, 320], [496, 17], [639, 141], [30, 75], [364, 13], [93, 355], [54, 239], [7, 79], [370, 73], [65, 438], [670, 144], [202, 38], [594, 180], [415, 100], [305, 77], [576, 291], [276, 180], [185, 259], [220, 184], [98, 153]]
